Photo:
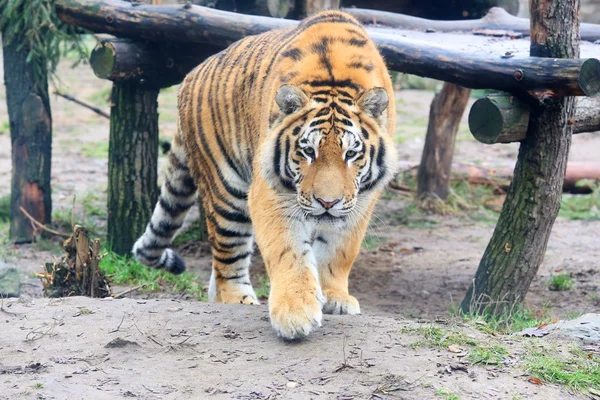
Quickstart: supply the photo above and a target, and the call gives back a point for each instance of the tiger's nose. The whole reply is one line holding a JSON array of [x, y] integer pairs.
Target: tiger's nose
[[327, 204]]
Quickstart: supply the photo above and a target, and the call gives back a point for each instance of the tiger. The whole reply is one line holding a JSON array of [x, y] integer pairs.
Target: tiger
[[287, 138]]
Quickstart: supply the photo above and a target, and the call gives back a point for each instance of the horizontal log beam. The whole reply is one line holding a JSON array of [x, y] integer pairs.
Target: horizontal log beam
[[195, 24], [497, 22], [502, 118], [155, 65]]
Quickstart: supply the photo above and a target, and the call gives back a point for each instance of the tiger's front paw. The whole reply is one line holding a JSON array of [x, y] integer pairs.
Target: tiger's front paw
[[339, 302], [294, 314]]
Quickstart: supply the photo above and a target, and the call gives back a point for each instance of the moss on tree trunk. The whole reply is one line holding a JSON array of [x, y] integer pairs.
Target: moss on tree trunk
[[132, 164], [519, 242], [31, 142]]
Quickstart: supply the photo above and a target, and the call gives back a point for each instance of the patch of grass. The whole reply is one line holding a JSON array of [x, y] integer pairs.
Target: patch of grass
[[7, 249], [4, 208], [516, 320], [123, 270], [192, 232], [561, 282], [437, 337], [4, 127], [48, 245], [100, 97], [414, 82], [493, 355], [91, 206], [579, 372], [95, 150], [582, 206], [446, 394], [38, 385], [263, 288], [371, 242]]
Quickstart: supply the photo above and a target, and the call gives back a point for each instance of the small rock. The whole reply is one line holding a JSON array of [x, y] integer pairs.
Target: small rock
[[291, 384], [586, 328]]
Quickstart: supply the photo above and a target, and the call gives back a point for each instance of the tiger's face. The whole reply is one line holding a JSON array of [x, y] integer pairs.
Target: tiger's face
[[332, 150]]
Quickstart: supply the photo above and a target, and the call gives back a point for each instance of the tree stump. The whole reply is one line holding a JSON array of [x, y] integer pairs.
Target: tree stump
[[516, 250], [446, 111], [31, 141], [132, 164]]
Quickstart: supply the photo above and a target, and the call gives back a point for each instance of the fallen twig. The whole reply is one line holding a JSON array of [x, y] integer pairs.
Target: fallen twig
[[83, 104], [39, 225], [133, 289]]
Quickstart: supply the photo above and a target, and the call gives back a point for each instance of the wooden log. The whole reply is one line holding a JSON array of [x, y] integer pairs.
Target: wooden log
[[502, 118], [30, 119], [436, 9], [516, 249], [150, 65], [132, 164], [497, 22], [445, 113], [195, 24]]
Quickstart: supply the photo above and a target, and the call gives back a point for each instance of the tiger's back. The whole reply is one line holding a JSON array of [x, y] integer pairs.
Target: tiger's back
[[288, 137]]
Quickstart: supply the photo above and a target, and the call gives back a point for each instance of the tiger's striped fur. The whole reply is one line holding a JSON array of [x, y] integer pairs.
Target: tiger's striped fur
[[288, 136]]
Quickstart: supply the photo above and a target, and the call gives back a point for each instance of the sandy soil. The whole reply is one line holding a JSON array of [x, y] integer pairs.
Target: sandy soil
[[163, 349]]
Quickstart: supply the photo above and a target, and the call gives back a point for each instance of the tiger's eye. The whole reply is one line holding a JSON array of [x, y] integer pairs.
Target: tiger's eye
[[350, 154], [309, 150]]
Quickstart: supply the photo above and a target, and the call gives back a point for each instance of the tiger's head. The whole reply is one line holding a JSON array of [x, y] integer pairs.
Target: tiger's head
[[331, 149]]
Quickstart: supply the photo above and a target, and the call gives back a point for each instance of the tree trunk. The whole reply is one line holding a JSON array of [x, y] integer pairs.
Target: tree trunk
[[31, 140], [446, 111], [132, 164], [519, 242]]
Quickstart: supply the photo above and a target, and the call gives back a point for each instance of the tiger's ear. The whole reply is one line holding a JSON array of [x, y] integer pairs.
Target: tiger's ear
[[374, 101], [290, 98]]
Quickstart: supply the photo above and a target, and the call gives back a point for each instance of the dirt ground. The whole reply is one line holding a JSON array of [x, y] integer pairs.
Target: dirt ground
[[79, 348], [419, 267]]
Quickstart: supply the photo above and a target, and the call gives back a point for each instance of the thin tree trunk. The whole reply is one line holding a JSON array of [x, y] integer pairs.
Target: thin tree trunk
[[31, 141], [519, 242], [446, 111], [132, 164]]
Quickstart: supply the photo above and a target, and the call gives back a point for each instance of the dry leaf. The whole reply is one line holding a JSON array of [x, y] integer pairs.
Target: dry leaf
[[535, 381], [454, 349]]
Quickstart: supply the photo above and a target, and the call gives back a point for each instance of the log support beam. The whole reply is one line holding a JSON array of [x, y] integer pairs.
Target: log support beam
[[502, 118], [195, 24]]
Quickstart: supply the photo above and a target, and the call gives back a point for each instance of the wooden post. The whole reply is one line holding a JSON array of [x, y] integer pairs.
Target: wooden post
[[31, 141], [446, 111], [516, 250], [132, 163]]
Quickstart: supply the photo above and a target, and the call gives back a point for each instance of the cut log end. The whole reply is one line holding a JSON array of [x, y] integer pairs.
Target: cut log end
[[589, 77], [485, 121], [102, 60]]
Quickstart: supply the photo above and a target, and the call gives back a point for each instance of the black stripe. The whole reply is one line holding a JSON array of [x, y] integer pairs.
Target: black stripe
[[146, 256], [173, 209], [335, 83], [231, 215], [293, 53], [321, 239], [154, 245], [190, 190], [365, 133], [226, 232], [358, 42], [164, 229], [221, 245], [232, 260]]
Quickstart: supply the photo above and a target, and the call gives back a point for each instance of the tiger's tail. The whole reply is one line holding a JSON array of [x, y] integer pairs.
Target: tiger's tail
[[178, 194]]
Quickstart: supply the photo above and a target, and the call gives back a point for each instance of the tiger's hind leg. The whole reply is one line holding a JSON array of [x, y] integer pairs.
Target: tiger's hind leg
[[232, 240], [178, 194]]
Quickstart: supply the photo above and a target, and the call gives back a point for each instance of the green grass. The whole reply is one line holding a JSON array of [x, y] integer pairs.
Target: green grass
[[515, 320], [126, 271], [95, 150], [371, 242], [493, 355], [4, 208], [192, 232], [582, 206], [263, 288], [579, 372], [446, 394], [437, 337], [561, 282], [100, 97], [414, 82], [4, 127]]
